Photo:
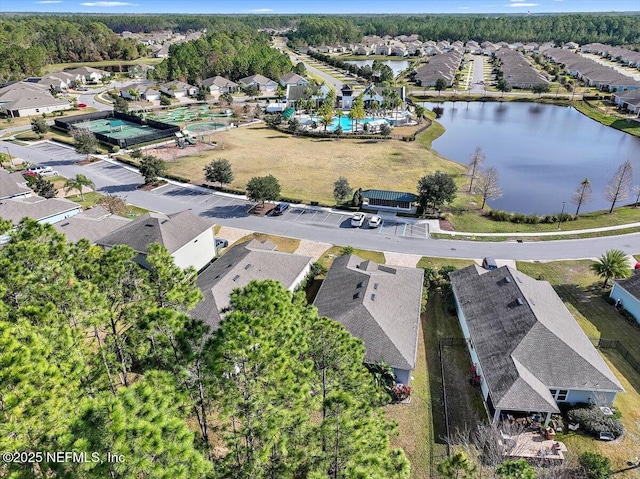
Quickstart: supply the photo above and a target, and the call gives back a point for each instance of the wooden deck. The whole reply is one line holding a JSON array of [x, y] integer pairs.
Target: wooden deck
[[533, 447]]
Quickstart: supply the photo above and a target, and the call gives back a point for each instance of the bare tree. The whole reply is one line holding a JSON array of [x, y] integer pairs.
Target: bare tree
[[477, 158], [487, 185], [618, 188], [582, 195]]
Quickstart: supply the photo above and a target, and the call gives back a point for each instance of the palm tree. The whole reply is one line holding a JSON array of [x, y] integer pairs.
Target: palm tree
[[78, 183], [612, 264]]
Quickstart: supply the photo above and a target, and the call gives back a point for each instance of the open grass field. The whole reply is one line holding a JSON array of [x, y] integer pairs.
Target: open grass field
[[580, 290], [307, 167], [56, 67], [283, 243], [91, 198], [472, 221]]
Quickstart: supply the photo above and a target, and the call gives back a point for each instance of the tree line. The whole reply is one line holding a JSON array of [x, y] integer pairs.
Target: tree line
[[233, 55], [99, 355], [612, 28], [27, 44]]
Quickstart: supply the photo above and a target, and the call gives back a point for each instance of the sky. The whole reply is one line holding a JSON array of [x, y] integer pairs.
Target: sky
[[318, 6]]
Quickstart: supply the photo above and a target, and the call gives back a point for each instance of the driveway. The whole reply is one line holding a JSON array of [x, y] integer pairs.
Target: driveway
[[395, 235]]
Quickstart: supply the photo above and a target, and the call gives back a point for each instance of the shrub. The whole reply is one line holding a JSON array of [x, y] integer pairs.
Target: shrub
[[595, 466], [593, 421], [518, 218], [400, 392]]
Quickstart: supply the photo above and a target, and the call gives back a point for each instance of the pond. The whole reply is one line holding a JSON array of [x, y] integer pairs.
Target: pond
[[542, 152], [396, 65]]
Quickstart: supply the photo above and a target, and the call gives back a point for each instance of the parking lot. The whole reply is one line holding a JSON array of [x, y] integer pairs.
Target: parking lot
[[392, 226]]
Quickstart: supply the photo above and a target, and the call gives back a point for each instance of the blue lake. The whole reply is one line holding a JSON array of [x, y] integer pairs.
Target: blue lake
[[542, 152]]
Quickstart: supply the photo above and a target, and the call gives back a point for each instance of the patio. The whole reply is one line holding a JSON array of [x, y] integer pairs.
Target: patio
[[534, 447]]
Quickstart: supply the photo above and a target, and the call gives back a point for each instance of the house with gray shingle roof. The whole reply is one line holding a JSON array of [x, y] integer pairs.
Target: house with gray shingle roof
[[241, 264], [293, 79], [42, 210], [528, 350], [627, 292], [188, 238], [380, 305], [263, 83], [13, 185], [219, 85], [91, 224]]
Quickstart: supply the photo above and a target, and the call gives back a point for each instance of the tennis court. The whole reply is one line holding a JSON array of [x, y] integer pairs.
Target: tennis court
[[115, 128]]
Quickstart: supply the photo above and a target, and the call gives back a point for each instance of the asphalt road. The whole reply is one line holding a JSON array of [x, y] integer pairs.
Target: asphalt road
[[232, 211]]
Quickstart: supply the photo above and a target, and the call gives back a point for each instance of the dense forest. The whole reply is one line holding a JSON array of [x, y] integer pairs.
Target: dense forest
[[98, 356], [27, 44], [614, 29], [233, 55]]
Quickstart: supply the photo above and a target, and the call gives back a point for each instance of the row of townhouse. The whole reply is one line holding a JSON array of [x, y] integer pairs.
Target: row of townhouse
[[619, 54], [592, 73], [444, 65], [518, 71]]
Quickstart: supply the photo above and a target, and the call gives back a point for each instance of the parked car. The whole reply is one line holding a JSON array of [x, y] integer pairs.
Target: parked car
[[489, 263], [221, 244], [607, 436], [38, 170], [357, 220], [49, 173], [375, 221], [280, 208]]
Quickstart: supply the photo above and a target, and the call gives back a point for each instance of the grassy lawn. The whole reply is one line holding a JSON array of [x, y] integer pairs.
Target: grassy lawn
[[610, 119], [437, 263], [328, 256], [283, 243], [259, 151], [91, 198], [580, 290], [596, 234], [472, 221]]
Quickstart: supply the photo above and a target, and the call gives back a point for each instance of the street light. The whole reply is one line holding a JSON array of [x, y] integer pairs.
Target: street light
[[561, 213], [10, 157]]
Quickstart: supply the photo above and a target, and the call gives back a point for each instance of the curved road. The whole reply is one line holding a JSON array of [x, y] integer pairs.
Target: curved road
[[114, 178]]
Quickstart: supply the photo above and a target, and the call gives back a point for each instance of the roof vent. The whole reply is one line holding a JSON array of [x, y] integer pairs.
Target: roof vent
[[357, 295], [519, 301], [373, 297], [236, 277], [65, 224], [507, 279], [375, 285], [150, 225], [359, 285], [247, 266]]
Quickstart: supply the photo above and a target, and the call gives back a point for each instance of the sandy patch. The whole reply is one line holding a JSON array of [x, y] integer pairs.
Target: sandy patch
[[232, 234], [315, 249], [401, 259]]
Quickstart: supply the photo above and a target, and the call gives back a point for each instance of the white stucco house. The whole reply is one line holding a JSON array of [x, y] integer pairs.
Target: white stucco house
[[626, 293], [528, 351], [178, 89], [188, 238]]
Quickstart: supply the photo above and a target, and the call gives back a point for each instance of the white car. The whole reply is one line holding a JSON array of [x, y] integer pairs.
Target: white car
[[375, 221], [358, 220], [38, 170], [49, 173]]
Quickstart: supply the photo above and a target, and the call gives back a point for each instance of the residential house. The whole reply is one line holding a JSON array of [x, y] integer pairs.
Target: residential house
[[518, 71], [527, 350], [42, 210], [140, 70], [150, 94], [60, 81], [626, 293], [383, 50], [91, 224], [379, 304], [89, 74], [13, 185], [628, 100], [219, 86], [160, 51], [25, 99], [188, 238], [293, 79], [241, 264], [389, 200], [264, 84], [443, 65], [178, 89]]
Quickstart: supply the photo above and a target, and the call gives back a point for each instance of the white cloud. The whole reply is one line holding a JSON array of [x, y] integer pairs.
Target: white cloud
[[106, 4], [261, 10], [50, 1], [517, 5]]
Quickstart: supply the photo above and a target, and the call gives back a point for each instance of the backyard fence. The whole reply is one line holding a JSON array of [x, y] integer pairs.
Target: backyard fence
[[605, 343]]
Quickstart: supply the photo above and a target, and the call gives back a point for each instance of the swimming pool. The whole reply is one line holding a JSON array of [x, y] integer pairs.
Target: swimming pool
[[345, 122]]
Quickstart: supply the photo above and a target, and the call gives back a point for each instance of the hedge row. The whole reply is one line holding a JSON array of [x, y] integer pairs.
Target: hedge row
[[519, 218], [593, 421]]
